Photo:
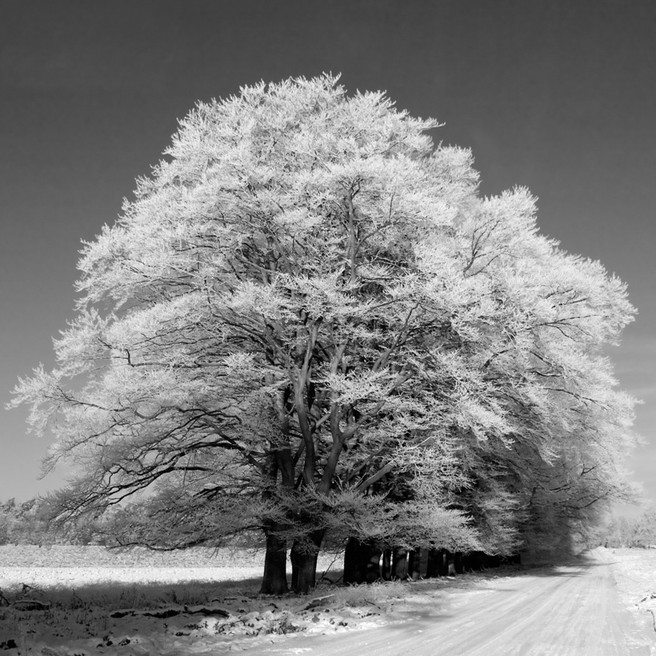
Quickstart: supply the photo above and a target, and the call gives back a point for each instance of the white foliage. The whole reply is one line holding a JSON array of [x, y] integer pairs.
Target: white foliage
[[307, 273]]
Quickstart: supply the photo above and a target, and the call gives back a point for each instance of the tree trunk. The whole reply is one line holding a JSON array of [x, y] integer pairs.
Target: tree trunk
[[443, 563], [399, 563], [373, 563], [355, 563], [361, 562], [433, 565], [304, 562], [414, 563], [423, 562], [451, 564], [278, 461], [475, 560], [274, 580], [387, 565], [458, 562], [492, 561]]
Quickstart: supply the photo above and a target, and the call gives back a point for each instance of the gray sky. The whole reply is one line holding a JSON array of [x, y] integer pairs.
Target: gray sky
[[555, 95]]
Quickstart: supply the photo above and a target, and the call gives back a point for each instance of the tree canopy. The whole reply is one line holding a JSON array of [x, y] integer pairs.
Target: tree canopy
[[309, 321]]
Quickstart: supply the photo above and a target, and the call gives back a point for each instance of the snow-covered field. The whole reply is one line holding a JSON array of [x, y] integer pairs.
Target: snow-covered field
[[69, 567], [83, 600], [91, 556], [635, 575], [12, 578]]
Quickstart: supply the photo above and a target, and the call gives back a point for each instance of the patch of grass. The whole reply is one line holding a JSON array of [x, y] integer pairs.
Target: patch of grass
[[113, 596], [368, 593]]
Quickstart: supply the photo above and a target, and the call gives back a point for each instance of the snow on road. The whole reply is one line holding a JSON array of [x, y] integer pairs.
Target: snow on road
[[566, 611]]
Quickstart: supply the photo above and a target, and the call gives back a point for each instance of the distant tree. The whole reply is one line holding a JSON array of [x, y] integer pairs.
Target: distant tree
[[308, 321], [6, 521]]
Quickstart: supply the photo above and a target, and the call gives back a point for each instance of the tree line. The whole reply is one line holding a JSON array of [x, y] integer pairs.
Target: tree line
[[638, 531], [29, 522], [309, 325]]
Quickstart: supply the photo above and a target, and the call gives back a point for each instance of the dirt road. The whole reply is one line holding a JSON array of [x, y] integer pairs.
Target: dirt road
[[566, 611]]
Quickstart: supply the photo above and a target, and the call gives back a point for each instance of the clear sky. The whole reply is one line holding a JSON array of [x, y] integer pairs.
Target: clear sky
[[557, 95]]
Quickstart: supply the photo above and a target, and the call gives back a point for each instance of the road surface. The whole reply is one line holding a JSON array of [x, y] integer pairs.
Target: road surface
[[566, 611]]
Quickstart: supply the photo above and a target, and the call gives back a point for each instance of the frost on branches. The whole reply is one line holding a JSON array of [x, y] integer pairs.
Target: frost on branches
[[308, 323]]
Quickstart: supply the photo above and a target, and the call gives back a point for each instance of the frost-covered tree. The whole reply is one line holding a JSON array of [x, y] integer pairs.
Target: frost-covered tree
[[308, 320], [637, 531]]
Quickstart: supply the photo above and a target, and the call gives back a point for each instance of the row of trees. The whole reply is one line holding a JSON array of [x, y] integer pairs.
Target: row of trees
[[309, 324], [636, 531], [29, 522], [22, 523]]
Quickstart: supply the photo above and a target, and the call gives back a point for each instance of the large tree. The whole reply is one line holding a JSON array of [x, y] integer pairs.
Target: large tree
[[308, 318]]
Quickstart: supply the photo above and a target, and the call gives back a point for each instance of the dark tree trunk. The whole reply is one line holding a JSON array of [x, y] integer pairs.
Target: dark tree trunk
[[458, 562], [304, 562], [304, 571], [492, 561], [387, 565], [475, 560], [355, 563], [423, 562], [413, 563], [443, 564], [373, 563], [451, 564], [361, 562], [274, 580], [399, 563], [433, 565], [278, 462]]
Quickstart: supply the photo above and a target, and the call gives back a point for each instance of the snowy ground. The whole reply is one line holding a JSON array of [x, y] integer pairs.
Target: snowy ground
[[76, 556], [599, 607], [569, 610], [72, 567], [84, 600], [82, 577], [635, 576]]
